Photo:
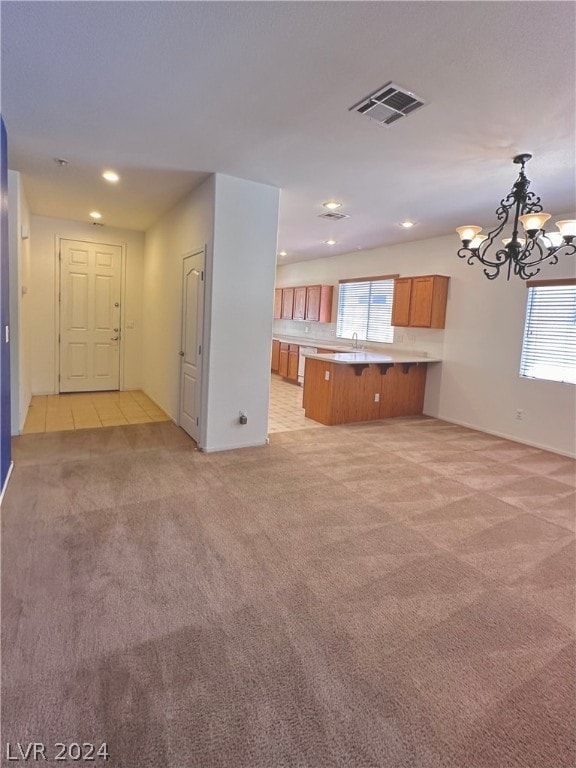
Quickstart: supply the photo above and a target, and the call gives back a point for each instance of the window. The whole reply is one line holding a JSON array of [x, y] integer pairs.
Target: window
[[365, 308], [549, 346]]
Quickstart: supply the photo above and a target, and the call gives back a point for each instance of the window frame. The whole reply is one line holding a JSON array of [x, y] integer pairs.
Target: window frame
[[537, 321], [369, 331]]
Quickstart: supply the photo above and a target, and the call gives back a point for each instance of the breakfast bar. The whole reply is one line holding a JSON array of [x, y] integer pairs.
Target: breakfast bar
[[345, 387]]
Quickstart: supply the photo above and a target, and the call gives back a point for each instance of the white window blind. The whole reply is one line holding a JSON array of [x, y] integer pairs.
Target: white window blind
[[365, 308], [549, 345]]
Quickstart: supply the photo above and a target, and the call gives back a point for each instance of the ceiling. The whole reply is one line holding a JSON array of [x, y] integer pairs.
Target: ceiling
[[168, 92]]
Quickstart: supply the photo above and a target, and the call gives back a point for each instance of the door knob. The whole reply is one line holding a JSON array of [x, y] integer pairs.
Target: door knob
[[114, 338], [181, 354]]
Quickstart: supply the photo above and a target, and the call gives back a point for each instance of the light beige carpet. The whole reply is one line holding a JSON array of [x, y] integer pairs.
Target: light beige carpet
[[393, 595]]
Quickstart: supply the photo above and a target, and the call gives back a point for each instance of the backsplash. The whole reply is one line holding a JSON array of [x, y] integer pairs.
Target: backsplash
[[424, 340]]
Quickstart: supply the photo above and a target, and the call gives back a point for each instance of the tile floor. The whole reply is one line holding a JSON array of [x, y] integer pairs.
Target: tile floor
[[286, 412], [84, 410]]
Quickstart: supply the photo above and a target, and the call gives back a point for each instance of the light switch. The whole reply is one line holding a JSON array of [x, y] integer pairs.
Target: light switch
[[327, 375], [130, 324]]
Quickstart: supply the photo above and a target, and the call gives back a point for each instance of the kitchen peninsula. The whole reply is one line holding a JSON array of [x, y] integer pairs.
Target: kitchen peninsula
[[344, 387]]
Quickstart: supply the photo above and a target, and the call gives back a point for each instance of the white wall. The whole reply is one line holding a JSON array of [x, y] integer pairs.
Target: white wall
[[21, 315], [185, 229], [236, 221], [243, 272], [478, 383], [42, 297]]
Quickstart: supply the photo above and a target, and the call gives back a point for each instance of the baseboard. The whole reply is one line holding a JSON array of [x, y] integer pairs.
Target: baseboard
[[10, 468], [505, 436], [234, 447]]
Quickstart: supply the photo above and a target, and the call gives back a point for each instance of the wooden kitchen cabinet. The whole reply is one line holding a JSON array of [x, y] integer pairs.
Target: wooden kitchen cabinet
[[287, 303], [319, 303], [288, 361], [342, 394], [277, 303], [293, 353], [420, 302], [299, 311], [275, 363]]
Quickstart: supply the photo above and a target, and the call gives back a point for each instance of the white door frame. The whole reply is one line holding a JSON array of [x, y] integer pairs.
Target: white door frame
[[57, 246], [203, 358]]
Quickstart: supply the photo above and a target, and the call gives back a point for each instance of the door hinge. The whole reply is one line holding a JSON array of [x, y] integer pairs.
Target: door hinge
[[200, 349], [202, 274], [196, 420], [58, 338]]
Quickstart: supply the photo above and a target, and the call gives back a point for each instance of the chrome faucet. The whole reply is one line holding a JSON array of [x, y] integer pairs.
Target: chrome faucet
[[355, 340]]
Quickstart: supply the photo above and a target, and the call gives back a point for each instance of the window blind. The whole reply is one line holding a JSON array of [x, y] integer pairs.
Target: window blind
[[549, 344], [365, 308]]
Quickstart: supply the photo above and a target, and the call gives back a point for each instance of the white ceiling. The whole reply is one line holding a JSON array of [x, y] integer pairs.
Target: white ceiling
[[167, 92]]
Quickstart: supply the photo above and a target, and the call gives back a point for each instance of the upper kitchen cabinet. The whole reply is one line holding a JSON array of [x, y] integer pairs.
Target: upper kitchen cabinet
[[420, 302], [287, 303], [299, 312], [319, 303], [277, 303]]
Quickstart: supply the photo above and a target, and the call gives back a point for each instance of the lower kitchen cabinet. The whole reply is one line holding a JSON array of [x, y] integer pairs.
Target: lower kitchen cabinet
[[275, 362], [341, 394], [288, 361]]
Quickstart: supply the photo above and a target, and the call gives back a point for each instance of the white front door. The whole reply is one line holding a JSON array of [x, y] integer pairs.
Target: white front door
[[89, 316], [191, 343]]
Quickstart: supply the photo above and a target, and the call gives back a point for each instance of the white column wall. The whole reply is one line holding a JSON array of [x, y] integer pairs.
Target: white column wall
[[478, 382], [43, 302], [243, 272], [236, 221]]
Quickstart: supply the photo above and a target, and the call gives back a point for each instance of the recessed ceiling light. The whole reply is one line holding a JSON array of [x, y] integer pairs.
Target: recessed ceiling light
[[111, 176], [332, 205], [282, 253], [95, 215], [331, 241], [60, 161], [407, 224]]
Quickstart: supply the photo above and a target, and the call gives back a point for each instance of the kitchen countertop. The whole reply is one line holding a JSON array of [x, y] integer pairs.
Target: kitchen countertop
[[360, 357], [305, 341]]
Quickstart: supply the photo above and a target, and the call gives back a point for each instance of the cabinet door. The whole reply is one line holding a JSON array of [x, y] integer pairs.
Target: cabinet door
[[275, 363], [421, 302], [287, 303], [313, 302], [299, 303], [401, 301], [283, 359], [277, 303], [293, 362]]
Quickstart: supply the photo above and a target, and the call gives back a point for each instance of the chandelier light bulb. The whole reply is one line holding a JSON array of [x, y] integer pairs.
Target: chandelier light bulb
[[95, 215], [567, 227], [478, 240], [519, 240], [468, 232], [532, 222]]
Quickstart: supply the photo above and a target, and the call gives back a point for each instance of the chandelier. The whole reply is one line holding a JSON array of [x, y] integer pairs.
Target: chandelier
[[521, 256]]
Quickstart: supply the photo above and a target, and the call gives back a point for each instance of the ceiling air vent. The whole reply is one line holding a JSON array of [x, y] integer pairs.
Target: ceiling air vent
[[388, 104], [333, 216]]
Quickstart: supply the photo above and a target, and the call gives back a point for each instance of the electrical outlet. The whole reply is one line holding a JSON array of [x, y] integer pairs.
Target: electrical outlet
[[519, 414], [327, 375], [307, 329], [377, 397]]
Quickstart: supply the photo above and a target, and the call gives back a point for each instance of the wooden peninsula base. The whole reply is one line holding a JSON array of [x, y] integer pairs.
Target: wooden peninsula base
[[341, 394]]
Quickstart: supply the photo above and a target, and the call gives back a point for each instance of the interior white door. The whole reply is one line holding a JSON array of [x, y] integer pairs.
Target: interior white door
[[90, 278], [191, 343]]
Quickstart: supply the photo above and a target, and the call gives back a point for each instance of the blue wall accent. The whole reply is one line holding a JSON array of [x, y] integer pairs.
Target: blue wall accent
[[5, 452]]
